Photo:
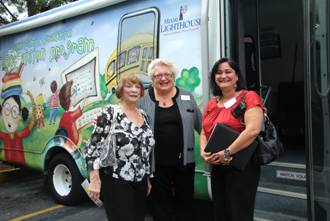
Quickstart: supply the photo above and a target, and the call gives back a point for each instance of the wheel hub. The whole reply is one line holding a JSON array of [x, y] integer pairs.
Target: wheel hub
[[62, 180]]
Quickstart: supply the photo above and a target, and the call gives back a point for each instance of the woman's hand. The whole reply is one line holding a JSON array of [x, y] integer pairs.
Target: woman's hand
[[207, 156], [149, 186], [202, 142], [219, 158], [212, 158], [95, 184]]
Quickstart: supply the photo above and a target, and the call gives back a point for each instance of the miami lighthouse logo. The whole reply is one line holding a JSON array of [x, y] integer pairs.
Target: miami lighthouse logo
[[183, 10], [181, 23]]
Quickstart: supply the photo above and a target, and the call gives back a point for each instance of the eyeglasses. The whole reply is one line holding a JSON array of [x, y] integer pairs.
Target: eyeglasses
[[165, 75], [11, 110]]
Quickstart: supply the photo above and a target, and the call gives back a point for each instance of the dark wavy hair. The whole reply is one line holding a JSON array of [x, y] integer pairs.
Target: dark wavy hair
[[214, 87]]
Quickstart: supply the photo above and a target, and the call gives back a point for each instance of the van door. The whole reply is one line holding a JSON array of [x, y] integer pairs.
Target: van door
[[266, 39], [318, 108]]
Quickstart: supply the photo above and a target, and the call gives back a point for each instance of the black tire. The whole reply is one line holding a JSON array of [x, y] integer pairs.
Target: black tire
[[65, 180]]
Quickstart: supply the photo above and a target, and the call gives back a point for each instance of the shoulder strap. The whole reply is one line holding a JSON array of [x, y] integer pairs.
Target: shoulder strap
[[239, 110], [244, 95]]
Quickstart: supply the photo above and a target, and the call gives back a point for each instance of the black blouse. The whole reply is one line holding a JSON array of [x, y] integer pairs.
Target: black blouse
[[168, 133], [168, 149]]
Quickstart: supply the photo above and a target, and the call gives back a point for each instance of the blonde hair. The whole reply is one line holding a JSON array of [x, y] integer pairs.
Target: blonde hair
[[128, 78], [164, 62]]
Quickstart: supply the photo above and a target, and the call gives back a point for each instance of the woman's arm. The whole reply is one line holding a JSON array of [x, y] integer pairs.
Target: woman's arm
[[99, 134], [149, 186], [95, 184], [202, 143]]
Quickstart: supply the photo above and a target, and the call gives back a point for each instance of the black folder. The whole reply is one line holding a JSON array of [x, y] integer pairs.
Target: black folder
[[221, 137]]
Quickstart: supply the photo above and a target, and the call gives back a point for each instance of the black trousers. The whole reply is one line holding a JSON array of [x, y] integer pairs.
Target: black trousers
[[234, 192], [172, 193], [123, 200]]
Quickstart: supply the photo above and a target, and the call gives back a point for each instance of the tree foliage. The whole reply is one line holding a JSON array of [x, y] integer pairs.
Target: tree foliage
[[10, 9]]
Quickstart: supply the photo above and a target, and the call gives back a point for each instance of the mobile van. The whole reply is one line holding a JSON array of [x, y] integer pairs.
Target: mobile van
[[60, 68], [81, 49]]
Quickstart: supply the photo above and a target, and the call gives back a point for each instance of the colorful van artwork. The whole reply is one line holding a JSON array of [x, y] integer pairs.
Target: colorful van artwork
[[58, 76]]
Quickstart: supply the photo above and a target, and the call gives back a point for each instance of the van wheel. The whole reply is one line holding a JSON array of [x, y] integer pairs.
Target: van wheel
[[65, 180]]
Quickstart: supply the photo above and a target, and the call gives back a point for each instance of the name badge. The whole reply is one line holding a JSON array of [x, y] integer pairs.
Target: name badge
[[230, 103], [185, 97]]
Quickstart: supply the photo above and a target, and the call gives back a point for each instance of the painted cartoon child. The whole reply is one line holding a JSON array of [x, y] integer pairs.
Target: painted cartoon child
[[12, 114], [53, 103], [40, 110], [70, 115]]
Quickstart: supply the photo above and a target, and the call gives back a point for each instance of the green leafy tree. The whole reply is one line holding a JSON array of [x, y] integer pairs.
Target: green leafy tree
[[37, 6], [7, 14], [189, 79], [10, 9]]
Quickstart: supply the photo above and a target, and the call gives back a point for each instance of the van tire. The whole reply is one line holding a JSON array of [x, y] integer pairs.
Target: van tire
[[65, 180]]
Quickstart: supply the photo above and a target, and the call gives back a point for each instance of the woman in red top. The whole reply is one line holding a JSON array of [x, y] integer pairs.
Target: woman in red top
[[233, 191]]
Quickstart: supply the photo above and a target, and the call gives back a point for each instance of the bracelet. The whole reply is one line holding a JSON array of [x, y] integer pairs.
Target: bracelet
[[226, 154]]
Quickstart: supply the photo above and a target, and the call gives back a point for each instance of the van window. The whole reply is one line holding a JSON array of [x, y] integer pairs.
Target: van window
[[133, 55], [151, 53], [144, 52], [122, 59], [112, 67]]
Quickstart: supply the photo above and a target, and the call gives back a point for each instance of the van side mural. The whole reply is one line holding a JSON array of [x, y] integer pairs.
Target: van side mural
[[71, 69], [12, 114], [40, 110], [189, 79], [136, 53], [67, 126], [53, 103]]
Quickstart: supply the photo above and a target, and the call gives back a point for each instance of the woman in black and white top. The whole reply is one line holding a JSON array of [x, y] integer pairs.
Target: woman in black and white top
[[124, 186]]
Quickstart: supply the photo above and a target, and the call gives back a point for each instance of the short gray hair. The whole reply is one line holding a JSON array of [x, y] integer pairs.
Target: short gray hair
[[164, 62]]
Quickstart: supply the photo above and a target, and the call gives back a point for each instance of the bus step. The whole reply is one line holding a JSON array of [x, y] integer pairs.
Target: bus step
[[280, 205]]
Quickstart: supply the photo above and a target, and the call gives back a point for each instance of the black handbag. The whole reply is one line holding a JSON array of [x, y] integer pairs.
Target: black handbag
[[269, 145]]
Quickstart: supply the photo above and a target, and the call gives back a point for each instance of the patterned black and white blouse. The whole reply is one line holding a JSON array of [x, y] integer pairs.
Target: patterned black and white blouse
[[133, 144]]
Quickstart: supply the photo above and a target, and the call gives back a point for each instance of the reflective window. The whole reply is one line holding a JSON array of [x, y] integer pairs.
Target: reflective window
[[320, 107]]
